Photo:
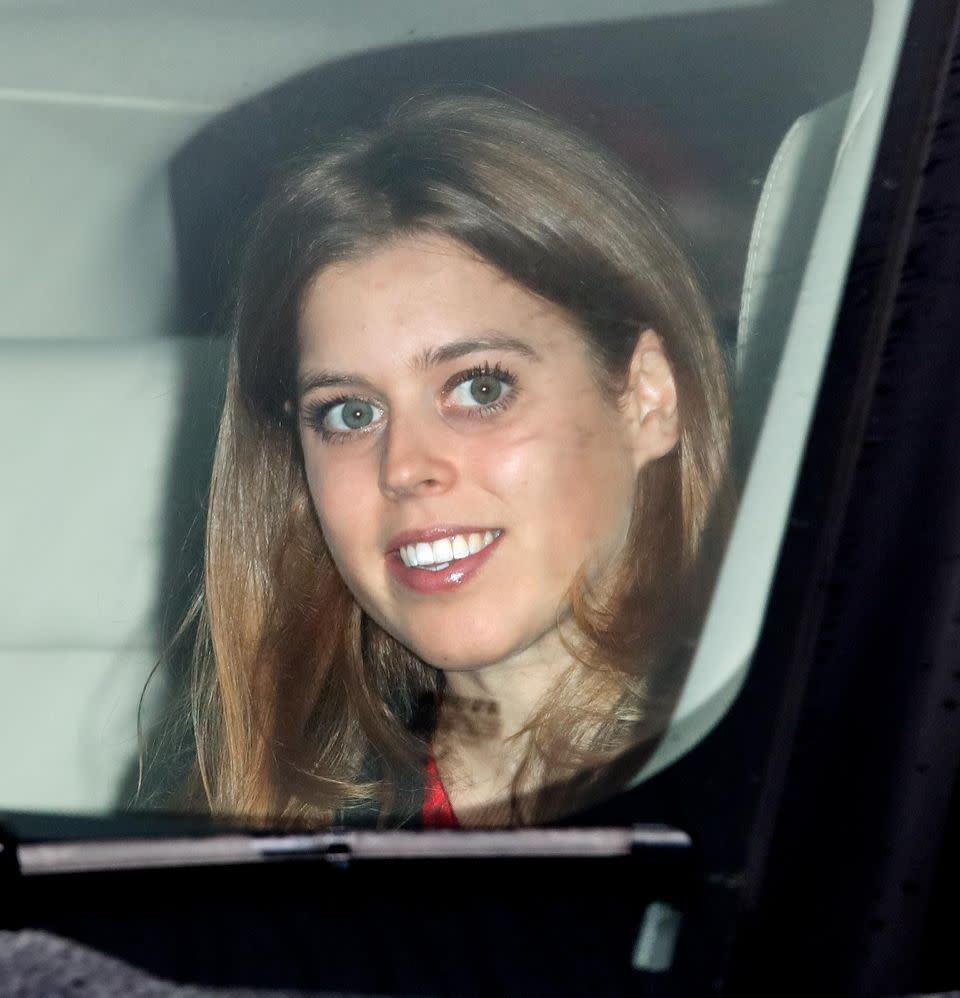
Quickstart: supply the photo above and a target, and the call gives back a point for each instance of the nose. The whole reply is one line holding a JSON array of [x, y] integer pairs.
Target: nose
[[414, 460]]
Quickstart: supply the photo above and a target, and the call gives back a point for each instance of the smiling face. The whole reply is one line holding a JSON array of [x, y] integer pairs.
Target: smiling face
[[462, 459]]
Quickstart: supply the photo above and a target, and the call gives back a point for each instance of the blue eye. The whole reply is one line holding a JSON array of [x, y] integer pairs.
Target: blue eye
[[346, 416], [482, 388]]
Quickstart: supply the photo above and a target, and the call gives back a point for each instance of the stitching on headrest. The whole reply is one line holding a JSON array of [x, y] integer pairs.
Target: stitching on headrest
[[853, 124], [744, 332]]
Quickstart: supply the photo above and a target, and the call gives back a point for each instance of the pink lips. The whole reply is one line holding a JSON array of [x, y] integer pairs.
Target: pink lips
[[450, 578]]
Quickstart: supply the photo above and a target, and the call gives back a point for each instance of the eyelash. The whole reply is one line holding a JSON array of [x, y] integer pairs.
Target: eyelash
[[315, 413], [484, 371]]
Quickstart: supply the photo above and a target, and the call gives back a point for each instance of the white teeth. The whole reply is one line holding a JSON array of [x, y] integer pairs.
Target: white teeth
[[441, 553]]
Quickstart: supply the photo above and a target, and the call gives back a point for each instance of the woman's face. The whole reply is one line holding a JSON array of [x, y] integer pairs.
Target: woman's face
[[463, 462]]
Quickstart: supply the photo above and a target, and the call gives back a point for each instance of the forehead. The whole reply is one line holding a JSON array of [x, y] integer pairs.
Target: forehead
[[414, 293]]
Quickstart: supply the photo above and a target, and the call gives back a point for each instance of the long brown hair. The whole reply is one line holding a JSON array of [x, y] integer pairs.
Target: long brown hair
[[303, 708]]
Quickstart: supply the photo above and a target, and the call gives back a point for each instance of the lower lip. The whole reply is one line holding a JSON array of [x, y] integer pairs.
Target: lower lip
[[455, 575]]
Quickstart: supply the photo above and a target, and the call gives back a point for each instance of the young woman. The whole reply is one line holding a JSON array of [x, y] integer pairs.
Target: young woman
[[474, 438]]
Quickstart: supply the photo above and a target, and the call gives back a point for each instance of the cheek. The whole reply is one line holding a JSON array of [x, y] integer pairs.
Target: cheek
[[570, 487], [339, 492]]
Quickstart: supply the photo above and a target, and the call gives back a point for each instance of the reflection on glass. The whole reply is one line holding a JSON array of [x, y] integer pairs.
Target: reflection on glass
[[732, 113]]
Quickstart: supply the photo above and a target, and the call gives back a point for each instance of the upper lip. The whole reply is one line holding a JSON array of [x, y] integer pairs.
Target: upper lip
[[435, 533]]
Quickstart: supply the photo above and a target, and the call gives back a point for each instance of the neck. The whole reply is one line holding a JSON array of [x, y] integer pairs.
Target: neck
[[480, 740], [514, 688]]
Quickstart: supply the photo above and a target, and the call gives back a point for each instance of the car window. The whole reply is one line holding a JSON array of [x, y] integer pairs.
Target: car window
[[130, 190]]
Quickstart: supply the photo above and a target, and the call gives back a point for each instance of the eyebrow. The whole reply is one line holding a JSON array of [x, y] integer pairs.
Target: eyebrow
[[426, 359], [433, 356]]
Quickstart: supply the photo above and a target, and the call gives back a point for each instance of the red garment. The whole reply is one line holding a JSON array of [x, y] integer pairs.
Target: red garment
[[437, 809]]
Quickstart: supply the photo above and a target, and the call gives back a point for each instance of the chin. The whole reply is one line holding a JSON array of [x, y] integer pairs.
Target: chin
[[464, 652], [457, 658]]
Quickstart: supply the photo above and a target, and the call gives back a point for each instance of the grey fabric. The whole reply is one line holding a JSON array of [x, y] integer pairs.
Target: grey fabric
[[40, 965]]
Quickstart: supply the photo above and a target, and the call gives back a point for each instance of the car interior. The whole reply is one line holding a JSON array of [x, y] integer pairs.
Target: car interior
[[136, 148]]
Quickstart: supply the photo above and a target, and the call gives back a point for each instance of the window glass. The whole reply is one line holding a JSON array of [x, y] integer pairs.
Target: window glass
[[404, 408]]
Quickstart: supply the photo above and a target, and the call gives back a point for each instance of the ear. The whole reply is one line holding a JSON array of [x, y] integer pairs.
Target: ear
[[649, 402]]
